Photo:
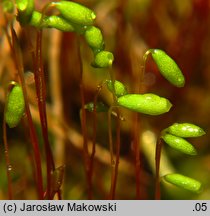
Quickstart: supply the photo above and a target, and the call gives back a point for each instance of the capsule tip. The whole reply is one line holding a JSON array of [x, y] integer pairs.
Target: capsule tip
[[93, 15]]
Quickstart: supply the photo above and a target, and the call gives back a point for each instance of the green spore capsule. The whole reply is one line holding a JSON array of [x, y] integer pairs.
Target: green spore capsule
[[15, 106], [168, 67], [184, 182], [36, 19], [149, 103], [25, 10], [118, 88], [75, 13], [103, 59], [58, 23], [100, 107], [179, 144], [185, 130], [94, 38]]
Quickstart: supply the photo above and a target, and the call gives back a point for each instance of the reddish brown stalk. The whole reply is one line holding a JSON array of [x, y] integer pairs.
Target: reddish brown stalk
[[34, 140], [137, 146], [159, 145], [41, 96], [92, 155], [84, 129], [137, 154], [85, 139], [111, 152], [116, 165], [6, 151], [137, 142]]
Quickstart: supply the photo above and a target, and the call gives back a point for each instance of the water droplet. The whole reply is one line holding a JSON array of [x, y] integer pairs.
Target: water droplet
[[9, 168]]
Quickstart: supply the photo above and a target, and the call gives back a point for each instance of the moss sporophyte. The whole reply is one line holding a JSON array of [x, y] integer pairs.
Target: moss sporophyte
[[73, 17], [15, 106], [185, 130], [116, 87], [168, 67], [174, 136], [149, 103], [75, 13], [184, 182], [179, 144]]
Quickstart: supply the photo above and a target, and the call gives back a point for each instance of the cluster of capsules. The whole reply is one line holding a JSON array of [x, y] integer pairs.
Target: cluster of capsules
[[149, 103], [174, 136], [73, 17]]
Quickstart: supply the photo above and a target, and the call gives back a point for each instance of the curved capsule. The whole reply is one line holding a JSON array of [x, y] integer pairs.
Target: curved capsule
[[25, 10], [103, 59], [94, 38], [150, 104], [58, 23], [168, 67], [75, 13], [15, 106], [179, 144], [119, 90], [185, 130], [184, 182]]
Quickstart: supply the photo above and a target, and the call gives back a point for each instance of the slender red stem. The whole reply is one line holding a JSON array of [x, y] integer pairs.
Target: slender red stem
[[137, 130], [85, 145], [84, 128], [159, 145], [137, 154], [116, 163], [34, 140], [92, 155], [41, 96], [6, 151]]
